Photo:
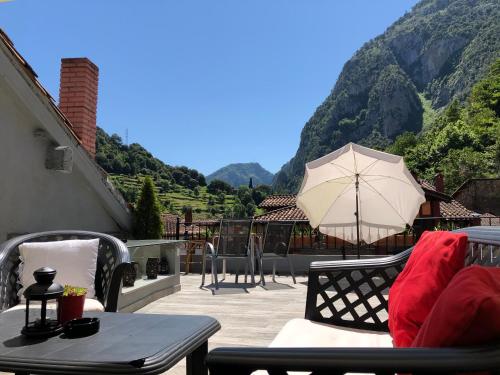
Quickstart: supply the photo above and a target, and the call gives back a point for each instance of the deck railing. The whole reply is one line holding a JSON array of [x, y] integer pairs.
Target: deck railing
[[307, 240]]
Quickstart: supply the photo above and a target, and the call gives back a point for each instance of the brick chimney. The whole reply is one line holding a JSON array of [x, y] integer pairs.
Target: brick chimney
[[78, 98], [439, 182]]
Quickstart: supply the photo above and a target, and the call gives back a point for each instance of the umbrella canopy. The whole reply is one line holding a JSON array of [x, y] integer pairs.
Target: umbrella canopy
[[356, 179]]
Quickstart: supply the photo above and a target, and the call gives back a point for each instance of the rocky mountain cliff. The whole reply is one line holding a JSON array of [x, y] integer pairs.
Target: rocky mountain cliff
[[429, 57], [238, 174]]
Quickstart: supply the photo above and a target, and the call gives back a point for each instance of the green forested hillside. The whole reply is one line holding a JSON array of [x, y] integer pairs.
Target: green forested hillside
[[238, 174], [177, 187], [115, 157], [397, 82], [463, 142]]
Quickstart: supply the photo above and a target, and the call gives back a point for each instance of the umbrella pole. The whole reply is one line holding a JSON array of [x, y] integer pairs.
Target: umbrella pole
[[357, 213]]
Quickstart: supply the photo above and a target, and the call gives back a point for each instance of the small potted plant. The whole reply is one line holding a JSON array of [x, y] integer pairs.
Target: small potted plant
[[71, 303]]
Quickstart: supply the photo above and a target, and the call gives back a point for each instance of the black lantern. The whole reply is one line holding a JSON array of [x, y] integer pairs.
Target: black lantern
[[152, 266], [130, 274], [163, 266], [44, 290]]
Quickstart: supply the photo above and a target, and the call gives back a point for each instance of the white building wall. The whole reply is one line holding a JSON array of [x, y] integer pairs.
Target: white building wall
[[33, 198]]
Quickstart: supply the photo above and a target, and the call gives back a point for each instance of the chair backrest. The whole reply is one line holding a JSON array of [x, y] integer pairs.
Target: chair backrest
[[277, 238], [234, 237], [111, 253], [370, 280]]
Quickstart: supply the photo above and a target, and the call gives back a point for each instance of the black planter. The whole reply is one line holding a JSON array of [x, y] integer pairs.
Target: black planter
[[130, 274], [163, 269], [152, 265]]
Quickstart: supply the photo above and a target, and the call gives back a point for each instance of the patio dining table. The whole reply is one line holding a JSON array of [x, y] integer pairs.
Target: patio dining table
[[125, 344]]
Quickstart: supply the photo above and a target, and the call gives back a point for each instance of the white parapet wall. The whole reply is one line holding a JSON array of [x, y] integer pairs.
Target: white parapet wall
[[146, 290]]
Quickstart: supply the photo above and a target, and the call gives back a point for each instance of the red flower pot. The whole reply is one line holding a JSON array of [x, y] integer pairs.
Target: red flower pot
[[70, 307]]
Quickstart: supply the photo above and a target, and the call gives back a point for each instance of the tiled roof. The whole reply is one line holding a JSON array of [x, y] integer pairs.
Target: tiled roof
[[430, 191], [489, 219], [452, 209], [33, 77], [455, 209], [291, 213], [278, 201]]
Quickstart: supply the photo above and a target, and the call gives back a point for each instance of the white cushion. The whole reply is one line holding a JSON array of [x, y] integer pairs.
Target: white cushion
[[74, 260], [91, 305], [303, 333]]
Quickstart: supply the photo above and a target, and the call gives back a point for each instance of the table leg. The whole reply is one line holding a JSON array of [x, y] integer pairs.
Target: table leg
[[195, 362], [189, 258]]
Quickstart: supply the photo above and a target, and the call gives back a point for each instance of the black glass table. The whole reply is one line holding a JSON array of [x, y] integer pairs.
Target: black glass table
[[125, 344]]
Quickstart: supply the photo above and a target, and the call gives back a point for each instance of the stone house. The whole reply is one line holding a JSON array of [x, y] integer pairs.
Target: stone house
[[480, 195]]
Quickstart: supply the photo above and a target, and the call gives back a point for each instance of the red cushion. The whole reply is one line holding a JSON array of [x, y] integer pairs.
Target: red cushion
[[435, 259], [466, 313]]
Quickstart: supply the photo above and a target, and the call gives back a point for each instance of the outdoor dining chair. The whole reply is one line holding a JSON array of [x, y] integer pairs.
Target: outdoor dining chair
[[276, 246], [112, 259], [232, 243]]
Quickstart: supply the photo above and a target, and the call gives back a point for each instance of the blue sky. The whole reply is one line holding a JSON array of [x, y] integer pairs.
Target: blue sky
[[202, 83]]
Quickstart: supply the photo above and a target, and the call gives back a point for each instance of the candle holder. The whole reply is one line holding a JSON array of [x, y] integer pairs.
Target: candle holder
[[152, 265], [44, 290]]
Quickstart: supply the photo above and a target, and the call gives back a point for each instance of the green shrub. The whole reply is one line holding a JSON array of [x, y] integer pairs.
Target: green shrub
[[147, 219]]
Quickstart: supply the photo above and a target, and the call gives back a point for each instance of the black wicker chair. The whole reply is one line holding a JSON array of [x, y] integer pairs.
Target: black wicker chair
[[368, 281], [112, 260]]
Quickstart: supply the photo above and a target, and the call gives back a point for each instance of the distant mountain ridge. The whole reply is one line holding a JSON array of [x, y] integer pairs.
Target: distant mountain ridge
[[431, 56], [238, 174]]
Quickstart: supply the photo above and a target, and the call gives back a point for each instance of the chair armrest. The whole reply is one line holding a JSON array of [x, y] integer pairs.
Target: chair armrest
[[353, 293], [335, 361], [111, 304], [209, 248]]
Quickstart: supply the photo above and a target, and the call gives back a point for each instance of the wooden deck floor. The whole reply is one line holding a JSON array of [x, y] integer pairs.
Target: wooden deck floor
[[249, 316]]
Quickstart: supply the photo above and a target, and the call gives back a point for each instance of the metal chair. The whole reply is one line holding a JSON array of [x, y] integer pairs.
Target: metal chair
[[112, 260], [276, 246], [233, 243]]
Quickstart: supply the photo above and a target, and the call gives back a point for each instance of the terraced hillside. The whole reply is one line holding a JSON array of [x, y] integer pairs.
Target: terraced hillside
[[175, 198]]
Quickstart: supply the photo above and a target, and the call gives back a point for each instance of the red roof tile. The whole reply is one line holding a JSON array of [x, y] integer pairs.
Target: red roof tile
[[278, 201], [33, 77], [452, 209], [490, 219], [455, 209], [291, 213]]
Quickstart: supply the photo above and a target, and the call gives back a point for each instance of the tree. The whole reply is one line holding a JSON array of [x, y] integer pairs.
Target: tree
[[245, 195], [250, 183], [147, 220], [402, 144], [250, 209], [217, 186], [260, 193], [221, 197]]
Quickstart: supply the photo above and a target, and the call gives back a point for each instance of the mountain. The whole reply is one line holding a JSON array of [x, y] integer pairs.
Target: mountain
[[464, 140], [239, 174], [431, 56]]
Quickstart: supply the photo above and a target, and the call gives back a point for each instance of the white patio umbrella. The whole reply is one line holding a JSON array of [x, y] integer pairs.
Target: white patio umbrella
[[359, 194]]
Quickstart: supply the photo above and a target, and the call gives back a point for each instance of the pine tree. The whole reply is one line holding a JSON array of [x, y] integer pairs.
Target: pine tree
[[250, 183], [147, 223]]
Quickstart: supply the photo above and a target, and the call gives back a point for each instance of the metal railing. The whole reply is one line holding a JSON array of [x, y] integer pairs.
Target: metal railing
[[307, 240]]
